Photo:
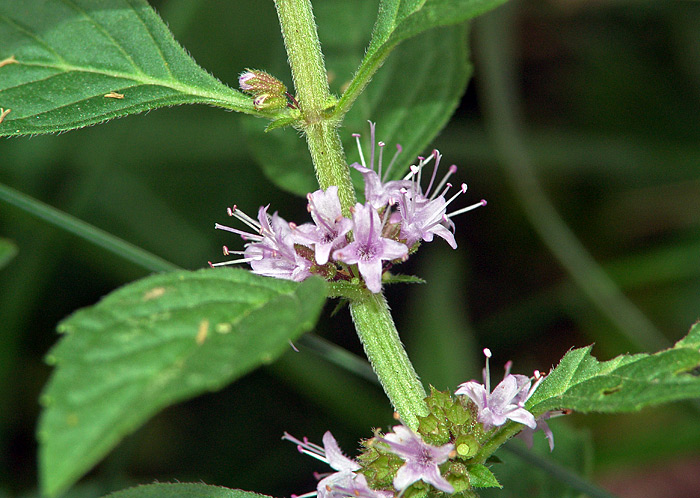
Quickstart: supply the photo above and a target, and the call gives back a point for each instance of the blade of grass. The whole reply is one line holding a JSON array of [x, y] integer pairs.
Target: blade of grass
[[558, 472], [339, 356], [84, 230]]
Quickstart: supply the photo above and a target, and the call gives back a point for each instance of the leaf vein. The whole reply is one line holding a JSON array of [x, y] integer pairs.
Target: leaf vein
[[94, 22], [32, 35]]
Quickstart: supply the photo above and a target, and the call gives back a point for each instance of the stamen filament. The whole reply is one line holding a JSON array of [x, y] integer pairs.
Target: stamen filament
[[393, 161], [438, 156], [359, 148], [379, 163], [245, 235], [237, 213], [481, 203], [236, 261], [450, 172], [372, 127]]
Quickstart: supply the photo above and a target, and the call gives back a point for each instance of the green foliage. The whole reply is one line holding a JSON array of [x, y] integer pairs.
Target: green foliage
[[8, 250], [156, 342], [480, 476], [73, 64], [183, 490], [626, 383]]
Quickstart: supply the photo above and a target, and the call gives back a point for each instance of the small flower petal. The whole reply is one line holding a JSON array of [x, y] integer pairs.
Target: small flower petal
[[505, 402], [422, 459], [335, 456]]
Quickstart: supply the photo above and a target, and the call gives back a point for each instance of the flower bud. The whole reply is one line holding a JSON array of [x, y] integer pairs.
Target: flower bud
[[428, 425], [458, 414], [458, 477], [467, 446], [268, 91]]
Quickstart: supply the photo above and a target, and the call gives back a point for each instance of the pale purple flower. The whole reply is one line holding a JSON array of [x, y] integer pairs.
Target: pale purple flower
[[527, 433], [369, 248], [422, 221], [275, 256], [378, 191], [423, 213], [330, 226], [506, 402], [422, 459], [345, 482], [329, 453], [270, 250], [348, 485]]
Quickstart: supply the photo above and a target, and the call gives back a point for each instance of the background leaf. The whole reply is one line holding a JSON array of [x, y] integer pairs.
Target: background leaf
[[153, 343], [184, 490], [81, 62], [626, 383], [399, 20]]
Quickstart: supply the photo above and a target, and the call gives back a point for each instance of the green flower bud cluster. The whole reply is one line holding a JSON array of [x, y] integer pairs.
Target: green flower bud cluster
[[450, 421], [453, 421]]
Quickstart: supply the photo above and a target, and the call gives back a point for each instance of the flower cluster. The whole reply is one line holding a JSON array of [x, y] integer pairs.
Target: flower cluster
[[418, 461], [396, 216], [346, 481], [444, 453]]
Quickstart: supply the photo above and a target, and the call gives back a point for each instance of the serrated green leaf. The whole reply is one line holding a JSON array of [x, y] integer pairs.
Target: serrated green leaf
[[409, 110], [8, 250], [183, 490], [399, 20], [480, 476], [626, 383], [153, 343], [73, 63]]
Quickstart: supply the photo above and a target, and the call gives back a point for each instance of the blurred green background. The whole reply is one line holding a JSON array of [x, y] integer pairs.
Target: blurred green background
[[581, 129]]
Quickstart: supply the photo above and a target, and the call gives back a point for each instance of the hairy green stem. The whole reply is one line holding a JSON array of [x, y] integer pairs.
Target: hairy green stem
[[313, 94], [379, 337], [370, 313], [329, 161]]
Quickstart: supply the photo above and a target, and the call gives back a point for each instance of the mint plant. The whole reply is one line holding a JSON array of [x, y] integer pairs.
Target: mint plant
[[178, 334]]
